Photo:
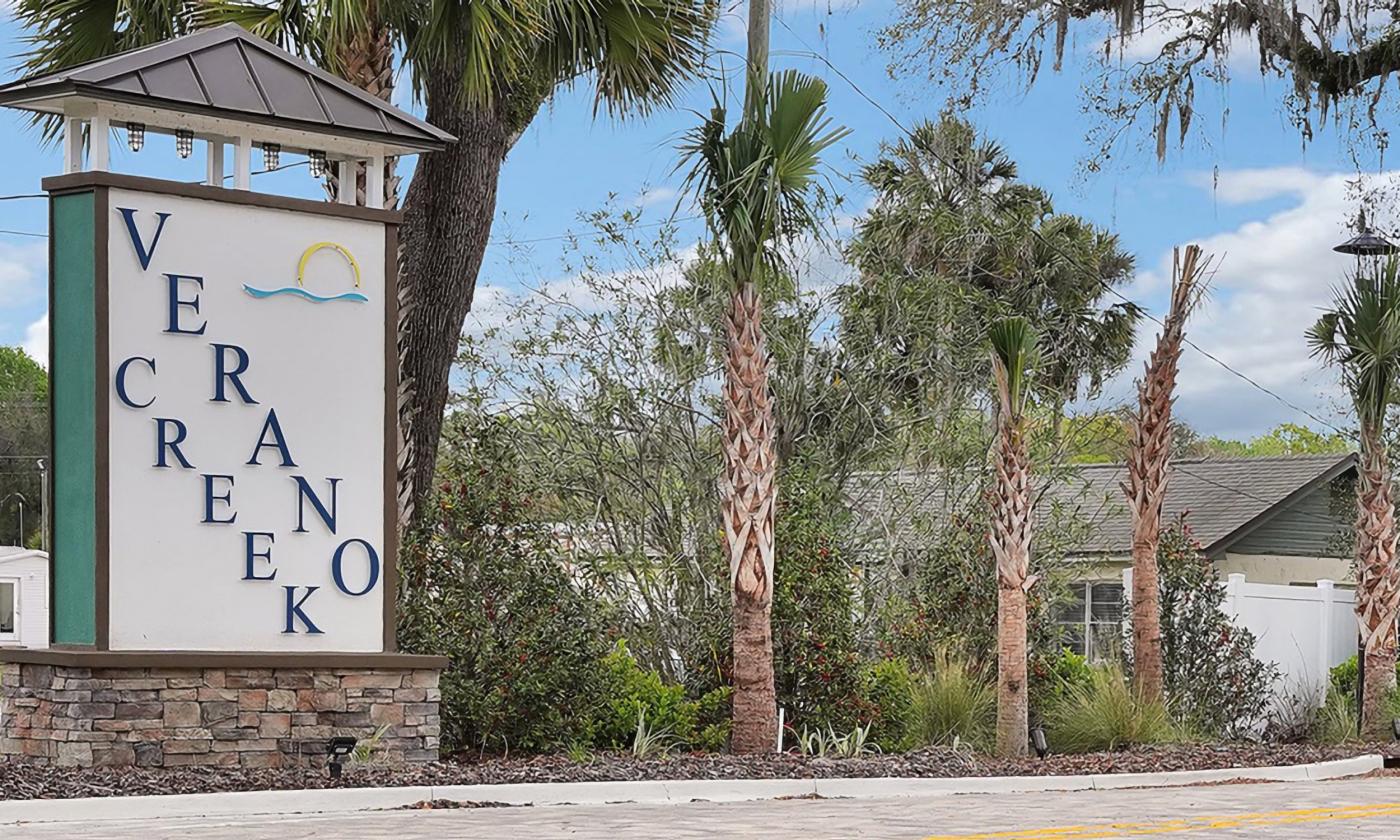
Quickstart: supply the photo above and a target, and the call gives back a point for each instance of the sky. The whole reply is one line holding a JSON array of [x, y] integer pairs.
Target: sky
[[1247, 188]]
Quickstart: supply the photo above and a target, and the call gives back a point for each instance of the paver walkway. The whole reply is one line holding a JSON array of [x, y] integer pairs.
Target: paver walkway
[[1337, 809]]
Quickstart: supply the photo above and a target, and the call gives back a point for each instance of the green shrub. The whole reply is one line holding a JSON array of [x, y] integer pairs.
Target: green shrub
[[713, 714], [816, 657], [484, 584], [632, 693], [1214, 684], [954, 703], [1342, 677], [888, 703], [1052, 677], [1105, 714], [1336, 721]]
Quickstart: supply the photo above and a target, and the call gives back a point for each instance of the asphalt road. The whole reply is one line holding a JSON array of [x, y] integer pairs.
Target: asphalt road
[[1347, 808]]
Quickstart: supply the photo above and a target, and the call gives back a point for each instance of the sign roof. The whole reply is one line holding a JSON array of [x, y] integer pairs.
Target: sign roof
[[228, 72]]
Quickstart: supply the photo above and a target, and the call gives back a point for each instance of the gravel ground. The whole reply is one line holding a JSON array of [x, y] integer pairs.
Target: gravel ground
[[18, 781]]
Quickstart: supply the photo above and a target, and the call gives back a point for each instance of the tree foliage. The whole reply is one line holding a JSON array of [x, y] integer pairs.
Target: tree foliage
[[956, 240], [1154, 55], [1214, 683], [24, 440]]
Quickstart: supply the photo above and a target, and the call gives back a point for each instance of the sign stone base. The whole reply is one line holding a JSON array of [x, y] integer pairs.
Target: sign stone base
[[77, 715]]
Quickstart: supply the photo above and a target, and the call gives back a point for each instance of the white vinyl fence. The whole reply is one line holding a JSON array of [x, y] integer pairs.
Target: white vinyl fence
[[1304, 630]]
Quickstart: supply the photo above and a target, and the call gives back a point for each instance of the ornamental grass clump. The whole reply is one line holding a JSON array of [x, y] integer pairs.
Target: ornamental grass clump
[[1106, 714], [955, 704]]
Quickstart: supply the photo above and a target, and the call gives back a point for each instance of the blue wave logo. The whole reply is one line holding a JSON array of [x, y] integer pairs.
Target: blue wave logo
[[302, 293], [299, 289]]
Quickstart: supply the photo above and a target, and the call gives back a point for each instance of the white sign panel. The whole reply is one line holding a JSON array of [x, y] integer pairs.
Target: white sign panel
[[246, 435]]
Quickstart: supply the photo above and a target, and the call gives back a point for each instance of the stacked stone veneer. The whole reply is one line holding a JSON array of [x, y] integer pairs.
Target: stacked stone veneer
[[215, 717]]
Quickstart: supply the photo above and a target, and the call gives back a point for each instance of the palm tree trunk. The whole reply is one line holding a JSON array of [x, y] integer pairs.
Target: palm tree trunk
[[1378, 591], [1011, 545], [1149, 460], [447, 222], [1013, 707], [367, 62], [750, 496]]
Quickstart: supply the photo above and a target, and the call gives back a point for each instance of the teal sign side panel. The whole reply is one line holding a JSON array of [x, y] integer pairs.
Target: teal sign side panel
[[73, 321]]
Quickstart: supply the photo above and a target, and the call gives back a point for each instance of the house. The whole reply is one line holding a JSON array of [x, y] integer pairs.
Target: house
[[24, 598], [1280, 520], [1277, 520]]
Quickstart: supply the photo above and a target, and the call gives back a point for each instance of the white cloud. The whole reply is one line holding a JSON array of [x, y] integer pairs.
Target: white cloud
[[1274, 276], [651, 196], [36, 340], [22, 268]]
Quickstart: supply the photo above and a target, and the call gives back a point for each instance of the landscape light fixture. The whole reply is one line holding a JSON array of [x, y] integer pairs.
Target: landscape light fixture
[[184, 142], [135, 135], [1042, 747], [272, 155], [1366, 243], [317, 161], [339, 748]]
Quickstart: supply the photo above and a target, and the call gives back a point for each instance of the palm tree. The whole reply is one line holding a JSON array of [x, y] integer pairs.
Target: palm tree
[[483, 68], [1014, 353], [754, 184], [955, 240], [1149, 457], [1361, 336]]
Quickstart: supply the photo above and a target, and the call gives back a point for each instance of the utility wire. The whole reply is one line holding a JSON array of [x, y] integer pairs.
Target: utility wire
[[811, 53]]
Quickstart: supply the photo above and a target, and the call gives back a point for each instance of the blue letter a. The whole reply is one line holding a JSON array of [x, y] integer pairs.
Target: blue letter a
[[143, 254], [278, 442]]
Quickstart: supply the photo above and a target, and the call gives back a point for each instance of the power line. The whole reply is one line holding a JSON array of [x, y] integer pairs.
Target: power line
[[811, 53]]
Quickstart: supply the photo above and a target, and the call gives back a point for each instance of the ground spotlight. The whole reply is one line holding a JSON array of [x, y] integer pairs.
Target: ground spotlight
[[1042, 747], [339, 748]]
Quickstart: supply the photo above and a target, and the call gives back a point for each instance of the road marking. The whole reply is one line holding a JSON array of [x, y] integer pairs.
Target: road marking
[[1176, 826]]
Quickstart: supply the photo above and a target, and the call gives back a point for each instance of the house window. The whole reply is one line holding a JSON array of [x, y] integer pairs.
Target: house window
[[9, 609], [1092, 619]]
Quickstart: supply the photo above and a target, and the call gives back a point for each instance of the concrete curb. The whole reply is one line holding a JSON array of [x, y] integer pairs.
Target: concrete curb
[[346, 800]]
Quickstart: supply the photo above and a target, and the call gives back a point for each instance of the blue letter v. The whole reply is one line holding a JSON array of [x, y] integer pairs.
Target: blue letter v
[[143, 254]]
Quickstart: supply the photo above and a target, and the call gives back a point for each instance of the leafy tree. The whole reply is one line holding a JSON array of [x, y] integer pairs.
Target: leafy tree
[[1283, 439], [754, 184], [483, 70], [1361, 337], [1213, 682], [1014, 355], [1340, 56], [485, 583], [24, 440], [956, 240]]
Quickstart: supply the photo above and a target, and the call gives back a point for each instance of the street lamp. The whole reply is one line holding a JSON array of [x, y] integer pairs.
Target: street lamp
[[1366, 243], [20, 496]]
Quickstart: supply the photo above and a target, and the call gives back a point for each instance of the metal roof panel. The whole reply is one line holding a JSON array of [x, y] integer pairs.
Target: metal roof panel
[[225, 76], [233, 73]]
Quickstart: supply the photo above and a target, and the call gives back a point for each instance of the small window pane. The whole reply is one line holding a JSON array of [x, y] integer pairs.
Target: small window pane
[[1073, 638], [1071, 609], [7, 607], [1107, 602]]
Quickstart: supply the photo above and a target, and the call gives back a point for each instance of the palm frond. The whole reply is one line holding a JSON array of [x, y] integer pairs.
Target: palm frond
[[1361, 335], [1014, 354]]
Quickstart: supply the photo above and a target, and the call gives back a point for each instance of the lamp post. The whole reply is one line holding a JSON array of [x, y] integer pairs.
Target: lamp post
[[1366, 244], [20, 496]]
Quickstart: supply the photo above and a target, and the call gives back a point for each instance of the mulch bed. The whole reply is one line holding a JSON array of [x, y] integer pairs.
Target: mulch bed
[[18, 781]]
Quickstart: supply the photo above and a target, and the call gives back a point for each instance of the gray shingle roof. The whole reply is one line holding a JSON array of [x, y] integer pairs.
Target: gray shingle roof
[[227, 71], [1222, 496]]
